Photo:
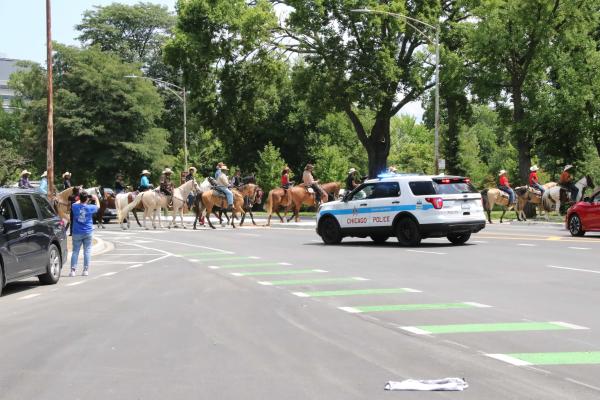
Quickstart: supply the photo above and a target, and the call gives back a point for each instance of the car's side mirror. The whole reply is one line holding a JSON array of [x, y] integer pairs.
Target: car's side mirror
[[12, 225]]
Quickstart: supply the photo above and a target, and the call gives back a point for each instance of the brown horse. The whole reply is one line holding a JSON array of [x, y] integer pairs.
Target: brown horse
[[210, 199], [62, 203], [493, 196], [332, 189], [252, 195], [295, 198]]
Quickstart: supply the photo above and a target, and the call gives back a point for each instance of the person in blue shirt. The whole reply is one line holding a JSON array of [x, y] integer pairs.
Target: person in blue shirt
[[44, 183], [83, 230], [144, 181]]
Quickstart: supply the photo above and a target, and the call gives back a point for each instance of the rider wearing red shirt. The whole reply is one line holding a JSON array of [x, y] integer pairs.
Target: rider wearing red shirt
[[504, 185], [533, 179]]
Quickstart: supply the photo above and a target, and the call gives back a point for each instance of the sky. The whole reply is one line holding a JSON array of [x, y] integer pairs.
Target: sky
[[23, 29]]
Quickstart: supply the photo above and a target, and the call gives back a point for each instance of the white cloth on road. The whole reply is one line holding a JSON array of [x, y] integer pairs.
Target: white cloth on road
[[446, 384]]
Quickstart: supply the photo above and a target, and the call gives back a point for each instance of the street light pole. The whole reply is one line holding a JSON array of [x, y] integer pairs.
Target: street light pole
[[436, 42], [182, 97], [50, 104]]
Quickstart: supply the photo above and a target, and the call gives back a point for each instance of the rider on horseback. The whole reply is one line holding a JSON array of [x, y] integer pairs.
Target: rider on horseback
[[310, 182], [66, 180], [223, 184], [190, 177], [566, 181], [285, 184], [166, 187], [351, 180], [533, 179], [144, 181], [504, 185]]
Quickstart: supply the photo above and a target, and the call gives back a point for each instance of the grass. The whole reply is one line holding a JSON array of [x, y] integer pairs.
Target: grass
[[511, 216]]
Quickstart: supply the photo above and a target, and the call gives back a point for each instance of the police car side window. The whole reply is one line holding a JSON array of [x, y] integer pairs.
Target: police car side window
[[363, 192], [386, 189]]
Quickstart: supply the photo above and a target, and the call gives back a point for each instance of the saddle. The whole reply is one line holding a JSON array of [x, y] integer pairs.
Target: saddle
[[534, 191]]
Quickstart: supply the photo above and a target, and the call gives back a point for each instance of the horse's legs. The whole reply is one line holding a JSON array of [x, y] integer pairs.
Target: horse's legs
[[208, 212], [252, 217], [502, 216]]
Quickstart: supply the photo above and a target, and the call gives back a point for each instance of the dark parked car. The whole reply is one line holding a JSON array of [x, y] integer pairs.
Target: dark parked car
[[33, 241]]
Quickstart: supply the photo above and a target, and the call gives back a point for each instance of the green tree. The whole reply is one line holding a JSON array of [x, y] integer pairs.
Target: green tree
[[269, 167], [412, 146], [103, 123]]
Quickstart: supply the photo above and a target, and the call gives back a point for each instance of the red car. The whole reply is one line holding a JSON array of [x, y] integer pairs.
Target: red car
[[584, 216]]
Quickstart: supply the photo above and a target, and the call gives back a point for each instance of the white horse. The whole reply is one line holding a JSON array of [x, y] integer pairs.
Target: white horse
[[154, 201], [180, 196], [552, 197]]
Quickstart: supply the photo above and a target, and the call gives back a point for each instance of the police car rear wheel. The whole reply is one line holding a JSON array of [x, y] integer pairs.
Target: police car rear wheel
[[407, 232], [330, 231], [379, 238], [459, 238]]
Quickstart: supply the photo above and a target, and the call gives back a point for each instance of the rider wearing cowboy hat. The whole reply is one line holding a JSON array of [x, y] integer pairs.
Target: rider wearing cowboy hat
[[309, 181], [218, 171], [144, 181], [166, 187], [44, 183], [566, 181], [223, 184], [351, 180], [66, 180], [504, 185], [120, 186], [24, 180], [190, 177], [533, 179]]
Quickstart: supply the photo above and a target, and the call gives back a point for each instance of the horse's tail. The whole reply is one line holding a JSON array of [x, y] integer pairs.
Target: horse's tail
[[269, 203], [484, 199], [133, 204]]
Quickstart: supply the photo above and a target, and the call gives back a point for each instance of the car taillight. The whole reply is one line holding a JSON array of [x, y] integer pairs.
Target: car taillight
[[445, 180], [437, 202]]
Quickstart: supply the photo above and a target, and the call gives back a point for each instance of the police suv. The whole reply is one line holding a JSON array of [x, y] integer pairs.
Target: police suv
[[410, 207]]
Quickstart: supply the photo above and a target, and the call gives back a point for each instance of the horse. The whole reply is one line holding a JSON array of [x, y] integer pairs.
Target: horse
[[276, 199], [210, 199], [153, 201], [180, 196], [302, 196], [252, 195], [122, 201], [105, 199], [62, 203], [528, 194], [332, 189], [554, 197], [493, 196]]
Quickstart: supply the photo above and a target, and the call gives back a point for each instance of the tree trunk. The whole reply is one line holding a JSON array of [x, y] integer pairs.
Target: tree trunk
[[378, 147], [523, 143], [451, 137]]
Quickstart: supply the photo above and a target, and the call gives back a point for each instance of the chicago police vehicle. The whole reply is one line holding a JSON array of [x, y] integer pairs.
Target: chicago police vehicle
[[410, 207]]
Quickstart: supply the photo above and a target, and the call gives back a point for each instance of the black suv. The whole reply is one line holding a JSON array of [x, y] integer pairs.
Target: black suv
[[33, 241]]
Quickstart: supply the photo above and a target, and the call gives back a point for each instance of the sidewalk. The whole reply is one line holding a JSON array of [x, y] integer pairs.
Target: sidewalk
[[99, 246]]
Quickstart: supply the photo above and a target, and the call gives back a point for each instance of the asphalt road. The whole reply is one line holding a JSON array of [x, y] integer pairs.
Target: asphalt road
[[273, 314]]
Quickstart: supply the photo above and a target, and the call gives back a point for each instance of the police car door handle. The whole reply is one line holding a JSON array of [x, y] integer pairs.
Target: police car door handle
[[395, 202], [363, 205]]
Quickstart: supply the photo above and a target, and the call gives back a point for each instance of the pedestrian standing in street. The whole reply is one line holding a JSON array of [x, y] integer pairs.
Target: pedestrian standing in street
[[83, 230]]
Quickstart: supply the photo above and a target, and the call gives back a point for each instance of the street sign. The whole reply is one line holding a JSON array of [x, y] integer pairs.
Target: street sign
[[441, 164]]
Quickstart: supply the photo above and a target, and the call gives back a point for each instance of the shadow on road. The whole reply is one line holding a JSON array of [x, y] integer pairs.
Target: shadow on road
[[390, 244], [20, 286]]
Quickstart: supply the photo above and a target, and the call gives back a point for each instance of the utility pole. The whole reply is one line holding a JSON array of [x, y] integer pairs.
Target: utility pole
[[437, 100], [50, 104]]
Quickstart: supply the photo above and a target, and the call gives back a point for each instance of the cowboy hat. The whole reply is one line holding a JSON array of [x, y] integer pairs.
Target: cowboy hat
[[534, 168], [167, 171], [25, 172], [45, 174], [220, 165], [352, 170], [568, 167], [224, 167], [145, 172], [502, 172], [66, 174], [309, 166], [192, 169], [392, 169]]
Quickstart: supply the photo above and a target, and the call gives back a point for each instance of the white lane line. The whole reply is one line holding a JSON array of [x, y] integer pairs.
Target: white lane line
[[580, 248], [427, 252], [415, 330], [319, 270], [236, 274], [284, 263], [350, 310], [109, 274], [29, 296], [194, 245], [409, 290], [134, 266], [568, 325], [479, 241], [116, 262], [254, 258], [509, 359], [358, 278], [130, 254], [526, 245], [213, 267], [478, 305], [574, 269], [264, 283], [76, 283], [587, 385], [300, 294]]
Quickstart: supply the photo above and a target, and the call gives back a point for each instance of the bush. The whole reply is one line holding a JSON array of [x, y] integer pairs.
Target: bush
[[269, 167]]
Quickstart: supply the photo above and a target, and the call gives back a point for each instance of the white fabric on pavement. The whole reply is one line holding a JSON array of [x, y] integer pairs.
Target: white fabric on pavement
[[446, 384]]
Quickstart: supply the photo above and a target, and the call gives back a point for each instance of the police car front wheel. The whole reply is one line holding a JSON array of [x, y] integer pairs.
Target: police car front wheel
[[407, 232], [330, 231]]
